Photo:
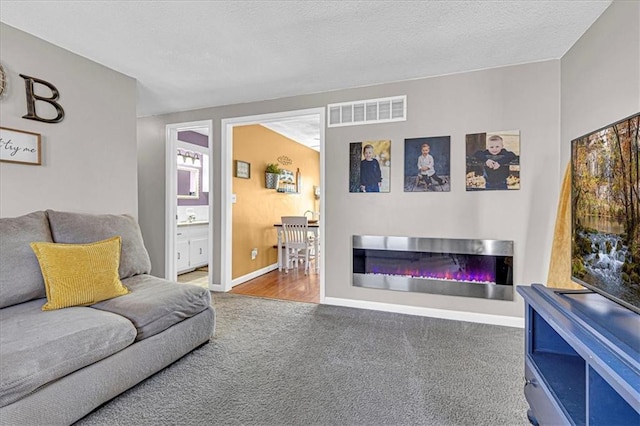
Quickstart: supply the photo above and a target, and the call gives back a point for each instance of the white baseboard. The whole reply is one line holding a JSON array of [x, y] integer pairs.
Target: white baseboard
[[427, 312], [254, 274], [216, 287]]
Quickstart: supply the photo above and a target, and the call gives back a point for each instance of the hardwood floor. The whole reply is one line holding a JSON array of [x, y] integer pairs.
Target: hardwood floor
[[294, 285]]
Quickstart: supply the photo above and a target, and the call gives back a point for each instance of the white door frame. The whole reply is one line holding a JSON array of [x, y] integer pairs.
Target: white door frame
[[226, 169], [171, 196]]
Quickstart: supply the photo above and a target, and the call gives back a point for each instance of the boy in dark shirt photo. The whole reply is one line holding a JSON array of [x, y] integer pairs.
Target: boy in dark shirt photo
[[495, 160], [370, 173]]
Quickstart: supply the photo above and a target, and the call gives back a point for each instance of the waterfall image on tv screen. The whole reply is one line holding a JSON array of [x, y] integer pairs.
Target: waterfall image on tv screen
[[606, 212]]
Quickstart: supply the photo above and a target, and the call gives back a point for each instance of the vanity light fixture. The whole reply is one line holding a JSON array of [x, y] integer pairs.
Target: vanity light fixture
[[189, 158], [180, 158]]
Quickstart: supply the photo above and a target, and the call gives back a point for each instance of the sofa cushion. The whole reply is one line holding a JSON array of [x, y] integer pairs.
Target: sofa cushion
[[79, 274], [74, 228], [38, 347], [20, 276], [155, 304]]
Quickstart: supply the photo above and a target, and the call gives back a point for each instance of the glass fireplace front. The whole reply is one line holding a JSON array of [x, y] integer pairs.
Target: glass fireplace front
[[455, 267]]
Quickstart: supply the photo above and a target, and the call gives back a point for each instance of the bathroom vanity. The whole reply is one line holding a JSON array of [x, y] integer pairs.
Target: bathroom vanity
[[192, 245]]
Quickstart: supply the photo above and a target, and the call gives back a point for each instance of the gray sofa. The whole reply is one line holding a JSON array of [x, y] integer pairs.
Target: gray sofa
[[57, 366]]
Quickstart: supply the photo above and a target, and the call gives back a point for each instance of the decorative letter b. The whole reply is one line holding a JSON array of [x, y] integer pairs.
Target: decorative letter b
[[32, 98]]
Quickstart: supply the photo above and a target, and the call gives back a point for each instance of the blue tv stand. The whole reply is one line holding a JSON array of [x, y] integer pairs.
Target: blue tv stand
[[582, 358]]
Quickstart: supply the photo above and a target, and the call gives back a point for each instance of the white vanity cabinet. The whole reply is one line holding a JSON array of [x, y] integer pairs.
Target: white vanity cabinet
[[198, 245], [192, 246], [182, 247]]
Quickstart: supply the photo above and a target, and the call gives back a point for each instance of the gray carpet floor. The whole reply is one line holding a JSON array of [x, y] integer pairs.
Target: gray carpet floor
[[286, 363]]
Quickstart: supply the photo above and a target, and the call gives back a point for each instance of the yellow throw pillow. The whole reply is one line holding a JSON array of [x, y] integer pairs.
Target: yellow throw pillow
[[79, 274]]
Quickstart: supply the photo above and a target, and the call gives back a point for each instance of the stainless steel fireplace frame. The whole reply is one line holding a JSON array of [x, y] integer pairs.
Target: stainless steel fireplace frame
[[435, 245], [428, 285]]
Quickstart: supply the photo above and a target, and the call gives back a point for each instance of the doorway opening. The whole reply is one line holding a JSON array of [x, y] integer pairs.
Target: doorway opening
[[231, 199], [189, 204]]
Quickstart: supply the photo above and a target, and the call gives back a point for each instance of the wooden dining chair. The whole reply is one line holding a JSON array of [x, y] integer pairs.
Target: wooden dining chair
[[297, 244]]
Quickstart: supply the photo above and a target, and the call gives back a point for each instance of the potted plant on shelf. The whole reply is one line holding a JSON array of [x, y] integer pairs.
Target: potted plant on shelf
[[272, 176]]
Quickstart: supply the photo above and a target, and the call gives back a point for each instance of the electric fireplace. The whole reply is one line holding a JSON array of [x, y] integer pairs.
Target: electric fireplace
[[454, 267]]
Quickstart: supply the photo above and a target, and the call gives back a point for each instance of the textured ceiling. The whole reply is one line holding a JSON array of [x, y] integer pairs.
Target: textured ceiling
[[193, 54], [304, 129]]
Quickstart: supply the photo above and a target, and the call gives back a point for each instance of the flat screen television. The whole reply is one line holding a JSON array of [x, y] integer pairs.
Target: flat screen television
[[605, 207]]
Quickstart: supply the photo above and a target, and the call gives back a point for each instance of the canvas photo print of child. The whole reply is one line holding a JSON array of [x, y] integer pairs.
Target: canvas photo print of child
[[493, 161], [369, 166], [427, 164]]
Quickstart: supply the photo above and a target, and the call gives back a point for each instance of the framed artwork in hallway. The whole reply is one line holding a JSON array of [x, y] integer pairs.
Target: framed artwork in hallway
[[243, 169]]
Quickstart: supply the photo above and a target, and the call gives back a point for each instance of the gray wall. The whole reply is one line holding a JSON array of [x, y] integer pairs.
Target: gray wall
[[525, 97], [89, 161], [601, 74], [522, 97]]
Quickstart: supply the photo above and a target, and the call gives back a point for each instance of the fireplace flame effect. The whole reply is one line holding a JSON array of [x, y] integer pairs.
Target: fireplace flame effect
[[464, 276], [450, 267]]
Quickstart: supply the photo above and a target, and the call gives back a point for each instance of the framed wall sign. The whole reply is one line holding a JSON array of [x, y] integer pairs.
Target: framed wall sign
[[243, 169], [19, 146]]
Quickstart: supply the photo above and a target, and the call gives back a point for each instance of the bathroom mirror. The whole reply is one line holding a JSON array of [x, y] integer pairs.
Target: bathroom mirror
[[188, 182]]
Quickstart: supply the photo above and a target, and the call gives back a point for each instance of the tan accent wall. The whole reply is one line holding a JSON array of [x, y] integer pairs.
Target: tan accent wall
[[257, 208]]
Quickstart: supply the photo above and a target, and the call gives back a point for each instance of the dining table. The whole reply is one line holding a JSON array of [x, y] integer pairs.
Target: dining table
[[314, 229]]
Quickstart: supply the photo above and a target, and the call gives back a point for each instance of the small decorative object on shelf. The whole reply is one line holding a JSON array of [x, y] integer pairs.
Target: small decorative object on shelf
[[272, 176], [298, 181], [287, 182], [288, 188]]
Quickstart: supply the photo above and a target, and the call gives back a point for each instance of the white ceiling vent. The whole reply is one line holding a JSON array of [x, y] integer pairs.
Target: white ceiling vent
[[381, 110]]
